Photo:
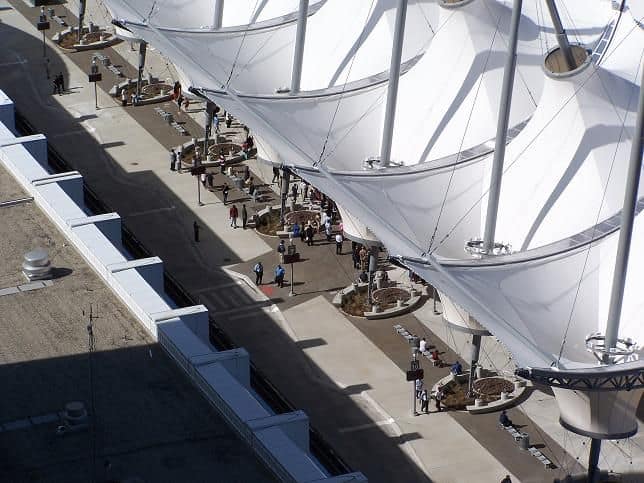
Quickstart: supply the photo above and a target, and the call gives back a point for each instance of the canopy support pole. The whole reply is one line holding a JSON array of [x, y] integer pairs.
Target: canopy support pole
[[298, 54], [392, 88], [626, 228], [82, 6], [474, 361], [502, 131], [142, 49], [286, 178], [593, 460], [562, 38], [219, 14]]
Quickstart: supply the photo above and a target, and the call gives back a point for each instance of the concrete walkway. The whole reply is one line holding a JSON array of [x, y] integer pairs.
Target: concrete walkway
[[346, 373]]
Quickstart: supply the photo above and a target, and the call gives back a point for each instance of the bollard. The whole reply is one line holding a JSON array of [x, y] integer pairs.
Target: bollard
[[524, 441], [504, 396], [479, 403], [399, 303]]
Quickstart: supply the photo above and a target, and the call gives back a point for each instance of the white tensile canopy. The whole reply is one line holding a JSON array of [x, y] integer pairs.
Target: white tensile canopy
[[565, 163]]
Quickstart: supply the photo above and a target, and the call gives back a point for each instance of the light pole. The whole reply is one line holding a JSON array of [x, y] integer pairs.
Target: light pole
[[43, 25], [291, 253], [292, 292], [95, 76], [413, 374]]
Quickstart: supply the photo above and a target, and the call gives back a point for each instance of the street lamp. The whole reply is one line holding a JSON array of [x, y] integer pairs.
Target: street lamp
[[197, 170], [95, 76], [43, 25]]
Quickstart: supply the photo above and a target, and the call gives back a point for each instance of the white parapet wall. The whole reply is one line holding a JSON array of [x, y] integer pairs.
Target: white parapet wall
[[281, 441]]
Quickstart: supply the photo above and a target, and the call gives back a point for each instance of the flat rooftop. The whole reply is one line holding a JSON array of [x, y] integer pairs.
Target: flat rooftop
[[148, 422]]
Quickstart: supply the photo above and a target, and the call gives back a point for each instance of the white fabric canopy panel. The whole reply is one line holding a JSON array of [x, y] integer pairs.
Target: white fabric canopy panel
[[344, 42], [438, 113], [198, 14]]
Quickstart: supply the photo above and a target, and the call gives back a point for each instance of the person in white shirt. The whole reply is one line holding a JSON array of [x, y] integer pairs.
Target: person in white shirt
[[338, 244], [423, 346]]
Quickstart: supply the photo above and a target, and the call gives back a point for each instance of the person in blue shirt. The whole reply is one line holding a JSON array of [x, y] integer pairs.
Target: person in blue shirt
[[279, 276], [457, 368], [296, 230], [504, 419]]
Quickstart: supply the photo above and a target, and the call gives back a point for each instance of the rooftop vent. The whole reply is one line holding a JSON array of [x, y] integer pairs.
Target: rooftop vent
[[36, 265]]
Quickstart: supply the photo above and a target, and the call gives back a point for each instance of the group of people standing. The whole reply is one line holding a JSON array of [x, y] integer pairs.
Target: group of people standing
[[258, 270], [422, 394]]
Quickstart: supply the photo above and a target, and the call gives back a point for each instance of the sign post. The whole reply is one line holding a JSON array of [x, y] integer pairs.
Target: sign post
[[95, 76], [43, 25], [197, 171], [415, 373]]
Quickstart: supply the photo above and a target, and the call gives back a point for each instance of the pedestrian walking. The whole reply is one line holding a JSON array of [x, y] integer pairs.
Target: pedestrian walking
[[364, 259], [281, 249], [229, 119], [259, 272], [244, 215], [506, 479], [302, 232], [355, 256], [211, 178], [123, 97], [304, 189], [61, 82], [294, 192], [215, 122], [179, 161], [279, 276], [173, 160], [195, 229], [309, 234], [419, 388], [327, 229], [424, 401], [234, 214], [225, 190], [440, 395], [276, 174], [222, 163], [338, 244]]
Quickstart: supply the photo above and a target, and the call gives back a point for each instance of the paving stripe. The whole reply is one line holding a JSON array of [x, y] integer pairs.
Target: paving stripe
[[361, 427], [30, 421], [26, 287], [149, 212]]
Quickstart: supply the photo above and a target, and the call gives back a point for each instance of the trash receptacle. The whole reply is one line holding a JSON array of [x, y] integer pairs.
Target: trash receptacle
[[524, 441]]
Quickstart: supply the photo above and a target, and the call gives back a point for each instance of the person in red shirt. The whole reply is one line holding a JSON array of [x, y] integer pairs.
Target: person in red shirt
[[233, 216]]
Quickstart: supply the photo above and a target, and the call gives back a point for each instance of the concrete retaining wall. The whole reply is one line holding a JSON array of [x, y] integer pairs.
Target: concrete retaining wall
[[281, 441]]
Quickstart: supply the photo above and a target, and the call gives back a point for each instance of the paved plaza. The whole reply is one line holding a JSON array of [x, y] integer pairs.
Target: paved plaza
[[347, 373]]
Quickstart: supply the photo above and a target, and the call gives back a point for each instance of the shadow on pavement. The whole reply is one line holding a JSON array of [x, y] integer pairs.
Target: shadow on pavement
[[166, 231]]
